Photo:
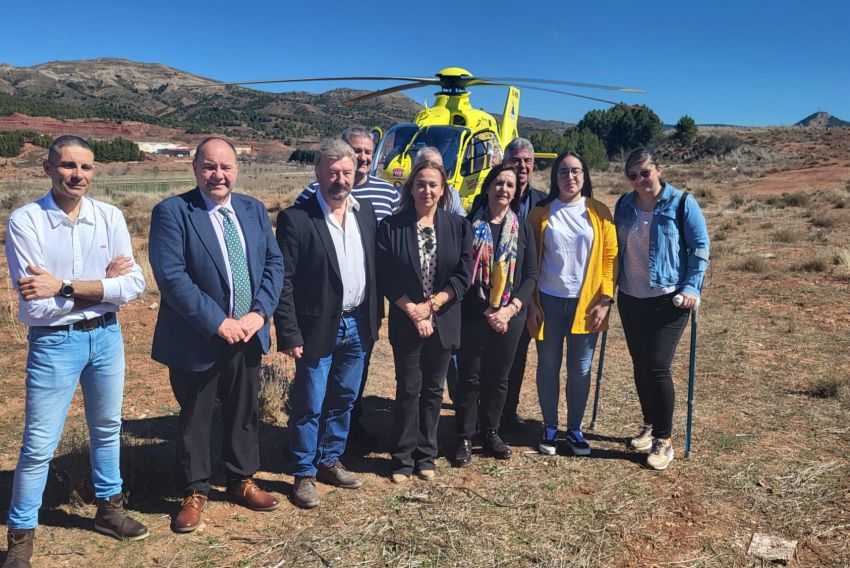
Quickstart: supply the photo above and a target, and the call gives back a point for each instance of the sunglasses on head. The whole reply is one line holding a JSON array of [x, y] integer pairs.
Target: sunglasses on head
[[643, 173]]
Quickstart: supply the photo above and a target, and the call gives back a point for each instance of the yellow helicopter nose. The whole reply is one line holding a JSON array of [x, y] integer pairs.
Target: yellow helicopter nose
[[454, 72]]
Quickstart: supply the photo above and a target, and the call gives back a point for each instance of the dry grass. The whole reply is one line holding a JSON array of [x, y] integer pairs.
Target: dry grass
[[754, 264], [821, 264], [771, 375], [275, 378]]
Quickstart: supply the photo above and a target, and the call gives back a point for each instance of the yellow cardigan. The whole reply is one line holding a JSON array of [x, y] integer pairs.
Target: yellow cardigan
[[602, 264]]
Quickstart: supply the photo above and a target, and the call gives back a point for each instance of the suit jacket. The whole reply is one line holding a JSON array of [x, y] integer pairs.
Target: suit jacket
[[190, 270], [310, 304], [536, 197], [400, 271]]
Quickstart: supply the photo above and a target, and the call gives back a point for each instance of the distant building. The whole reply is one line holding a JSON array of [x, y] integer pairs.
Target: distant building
[[244, 150], [164, 149], [176, 152]]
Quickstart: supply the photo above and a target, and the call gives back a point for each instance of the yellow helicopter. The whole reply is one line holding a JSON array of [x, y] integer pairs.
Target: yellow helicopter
[[471, 141]]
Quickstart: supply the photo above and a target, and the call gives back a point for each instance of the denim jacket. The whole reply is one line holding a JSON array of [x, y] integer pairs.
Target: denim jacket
[[669, 266]]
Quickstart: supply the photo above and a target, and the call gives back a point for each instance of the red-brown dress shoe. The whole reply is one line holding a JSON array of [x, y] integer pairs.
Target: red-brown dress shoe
[[247, 493], [191, 513]]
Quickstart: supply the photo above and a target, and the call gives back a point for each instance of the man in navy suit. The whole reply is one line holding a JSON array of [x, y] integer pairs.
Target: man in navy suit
[[220, 272]]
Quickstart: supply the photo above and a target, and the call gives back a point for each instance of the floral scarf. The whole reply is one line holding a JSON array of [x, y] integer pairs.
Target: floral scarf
[[494, 265]]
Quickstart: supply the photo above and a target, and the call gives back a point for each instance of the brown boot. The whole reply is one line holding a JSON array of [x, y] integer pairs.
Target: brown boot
[[112, 520], [20, 548]]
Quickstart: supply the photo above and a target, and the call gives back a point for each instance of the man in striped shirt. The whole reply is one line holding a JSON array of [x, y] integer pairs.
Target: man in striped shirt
[[383, 196]]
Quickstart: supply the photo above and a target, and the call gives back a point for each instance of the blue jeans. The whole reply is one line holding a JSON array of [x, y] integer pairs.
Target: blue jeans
[[58, 360], [558, 316], [322, 396]]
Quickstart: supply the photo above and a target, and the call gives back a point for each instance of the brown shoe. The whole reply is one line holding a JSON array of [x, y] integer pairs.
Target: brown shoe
[[304, 493], [336, 474], [112, 520], [20, 548], [191, 513], [247, 493]]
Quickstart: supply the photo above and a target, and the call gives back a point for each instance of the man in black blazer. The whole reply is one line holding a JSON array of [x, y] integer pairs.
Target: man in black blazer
[[520, 154], [219, 271], [327, 318]]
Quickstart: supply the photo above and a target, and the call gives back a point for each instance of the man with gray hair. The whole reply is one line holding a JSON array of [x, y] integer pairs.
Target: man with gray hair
[[520, 154], [327, 317], [71, 261], [383, 196]]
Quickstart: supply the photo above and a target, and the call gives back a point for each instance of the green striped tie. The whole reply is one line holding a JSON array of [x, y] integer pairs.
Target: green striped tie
[[238, 267]]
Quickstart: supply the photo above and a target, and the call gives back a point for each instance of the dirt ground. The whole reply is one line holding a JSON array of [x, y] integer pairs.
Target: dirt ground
[[771, 439]]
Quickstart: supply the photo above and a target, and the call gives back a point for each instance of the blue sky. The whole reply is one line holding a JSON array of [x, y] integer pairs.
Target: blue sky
[[748, 62]]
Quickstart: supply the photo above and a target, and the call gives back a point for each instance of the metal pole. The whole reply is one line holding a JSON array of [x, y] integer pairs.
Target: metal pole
[[598, 379], [691, 372]]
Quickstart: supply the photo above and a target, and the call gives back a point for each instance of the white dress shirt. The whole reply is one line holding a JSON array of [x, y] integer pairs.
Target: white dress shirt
[[349, 252], [217, 220], [41, 234]]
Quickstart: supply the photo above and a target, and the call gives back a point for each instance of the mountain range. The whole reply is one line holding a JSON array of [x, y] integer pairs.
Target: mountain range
[[122, 90]]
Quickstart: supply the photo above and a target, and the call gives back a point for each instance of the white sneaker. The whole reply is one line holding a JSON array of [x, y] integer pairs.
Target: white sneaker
[[643, 441], [660, 455]]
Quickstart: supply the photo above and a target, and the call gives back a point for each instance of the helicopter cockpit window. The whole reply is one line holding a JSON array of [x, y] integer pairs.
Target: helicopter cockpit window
[[482, 152], [446, 139], [392, 144]]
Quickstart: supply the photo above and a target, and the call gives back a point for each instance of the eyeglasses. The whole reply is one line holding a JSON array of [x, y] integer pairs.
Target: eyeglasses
[[567, 172], [643, 173]]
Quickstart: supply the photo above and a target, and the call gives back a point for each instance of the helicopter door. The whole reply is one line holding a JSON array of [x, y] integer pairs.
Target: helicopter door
[[483, 151]]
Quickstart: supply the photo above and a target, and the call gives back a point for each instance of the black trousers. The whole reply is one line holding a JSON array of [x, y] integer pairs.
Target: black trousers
[[484, 360], [233, 380], [516, 373], [653, 328], [420, 369]]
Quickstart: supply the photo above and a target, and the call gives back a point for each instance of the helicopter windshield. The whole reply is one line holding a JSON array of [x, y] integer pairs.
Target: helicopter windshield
[[446, 139], [391, 145]]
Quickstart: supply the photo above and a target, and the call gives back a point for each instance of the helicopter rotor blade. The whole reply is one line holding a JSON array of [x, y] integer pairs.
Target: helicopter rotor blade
[[565, 83], [309, 79], [389, 91], [556, 91]]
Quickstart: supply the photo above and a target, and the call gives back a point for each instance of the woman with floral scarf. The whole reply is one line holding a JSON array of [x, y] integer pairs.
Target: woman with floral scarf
[[493, 312]]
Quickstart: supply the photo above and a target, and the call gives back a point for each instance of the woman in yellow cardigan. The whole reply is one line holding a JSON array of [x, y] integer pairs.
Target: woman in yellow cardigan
[[577, 259]]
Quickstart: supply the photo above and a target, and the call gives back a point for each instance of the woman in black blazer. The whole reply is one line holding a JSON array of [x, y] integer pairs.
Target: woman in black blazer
[[493, 311], [424, 259]]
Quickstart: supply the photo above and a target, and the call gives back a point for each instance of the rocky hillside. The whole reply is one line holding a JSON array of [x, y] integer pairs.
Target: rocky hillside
[[120, 90], [822, 120]]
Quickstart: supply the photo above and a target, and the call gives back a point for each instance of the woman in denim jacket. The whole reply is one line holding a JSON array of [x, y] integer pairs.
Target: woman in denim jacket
[[663, 243]]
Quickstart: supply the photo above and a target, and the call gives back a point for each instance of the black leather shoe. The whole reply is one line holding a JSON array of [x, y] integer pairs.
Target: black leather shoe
[[494, 446], [463, 453]]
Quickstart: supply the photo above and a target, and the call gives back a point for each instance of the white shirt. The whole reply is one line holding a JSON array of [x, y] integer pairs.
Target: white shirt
[[349, 252], [566, 249], [43, 235], [217, 220]]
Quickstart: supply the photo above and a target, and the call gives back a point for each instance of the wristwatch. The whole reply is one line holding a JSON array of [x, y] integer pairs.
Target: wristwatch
[[67, 289], [607, 300]]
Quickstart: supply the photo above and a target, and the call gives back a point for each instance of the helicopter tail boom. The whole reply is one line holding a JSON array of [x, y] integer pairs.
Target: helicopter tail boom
[[510, 117]]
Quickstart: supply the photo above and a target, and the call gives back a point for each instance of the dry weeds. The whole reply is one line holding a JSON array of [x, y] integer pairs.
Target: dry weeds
[[771, 439]]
